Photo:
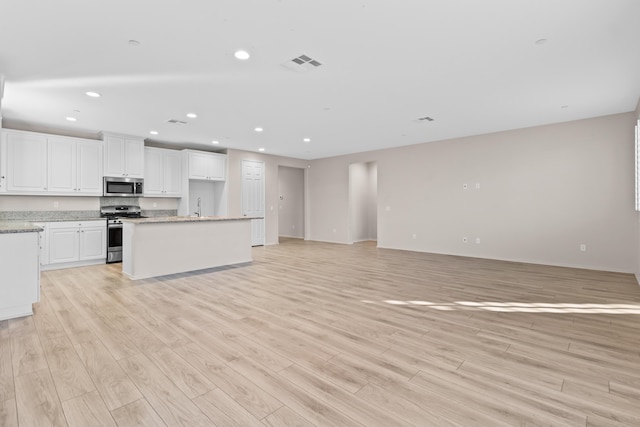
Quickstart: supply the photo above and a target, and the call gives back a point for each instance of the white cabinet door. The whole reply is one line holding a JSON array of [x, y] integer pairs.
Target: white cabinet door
[[93, 242], [63, 244], [26, 162], [172, 173], [134, 158], [113, 156], [218, 167], [89, 168], [200, 166], [123, 156], [153, 172], [62, 166], [207, 166], [72, 241], [162, 172]]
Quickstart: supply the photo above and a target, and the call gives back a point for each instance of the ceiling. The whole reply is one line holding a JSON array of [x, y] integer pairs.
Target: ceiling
[[472, 66]]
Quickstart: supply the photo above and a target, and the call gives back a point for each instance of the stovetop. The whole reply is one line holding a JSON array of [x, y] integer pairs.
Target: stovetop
[[121, 211]]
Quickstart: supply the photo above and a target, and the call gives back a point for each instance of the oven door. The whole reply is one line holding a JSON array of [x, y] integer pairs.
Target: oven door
[[114, 243]]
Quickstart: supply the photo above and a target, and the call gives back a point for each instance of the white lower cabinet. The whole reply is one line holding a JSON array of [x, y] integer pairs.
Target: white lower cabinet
[[75, 243]]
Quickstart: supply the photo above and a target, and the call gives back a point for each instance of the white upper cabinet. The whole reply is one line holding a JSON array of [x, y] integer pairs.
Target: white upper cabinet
[[124, 156], [75, 167], [207, 166], [51, 165], [62, 162], [26, 162], [162, 172], [172, 173], [89, 167]]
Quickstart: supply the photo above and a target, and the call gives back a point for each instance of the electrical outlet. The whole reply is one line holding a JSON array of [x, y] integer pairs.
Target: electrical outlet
[[465, 240], [388, 208], [334, 230], [583, 247], [415, 236], [155, 204], [477, 240], [477, 185]]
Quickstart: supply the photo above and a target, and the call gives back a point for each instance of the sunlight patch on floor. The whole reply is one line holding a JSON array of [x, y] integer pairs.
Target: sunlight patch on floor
[[521, 307]]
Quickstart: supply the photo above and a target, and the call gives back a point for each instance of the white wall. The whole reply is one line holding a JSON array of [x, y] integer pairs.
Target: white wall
[[291, 202], [543, 192]]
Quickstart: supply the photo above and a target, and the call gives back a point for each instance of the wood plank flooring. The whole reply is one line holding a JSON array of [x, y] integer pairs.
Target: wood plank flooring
[[321, 334]]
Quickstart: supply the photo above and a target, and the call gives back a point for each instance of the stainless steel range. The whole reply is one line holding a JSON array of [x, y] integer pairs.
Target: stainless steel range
[[114, 228]]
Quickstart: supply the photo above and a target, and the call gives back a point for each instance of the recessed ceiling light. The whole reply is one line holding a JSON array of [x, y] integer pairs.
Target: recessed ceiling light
[[72, 119], [242, 55], [258, 129], [93, 94], [153, 132], [307, 140], [192, 115], [215, 142], [260, 149], [133, 42], [541, 41]]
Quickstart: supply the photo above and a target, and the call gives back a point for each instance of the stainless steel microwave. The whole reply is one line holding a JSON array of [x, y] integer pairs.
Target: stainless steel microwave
[[123, 187]]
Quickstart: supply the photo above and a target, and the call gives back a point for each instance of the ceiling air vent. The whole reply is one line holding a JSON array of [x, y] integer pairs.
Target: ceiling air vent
[[302, 64], [176, 122]]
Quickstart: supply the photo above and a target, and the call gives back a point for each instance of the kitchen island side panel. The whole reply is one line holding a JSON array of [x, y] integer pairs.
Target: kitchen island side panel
[[157, 249], [19, 274]]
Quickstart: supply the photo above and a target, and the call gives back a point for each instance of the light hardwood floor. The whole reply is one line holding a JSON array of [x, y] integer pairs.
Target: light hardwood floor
[[321, 334]]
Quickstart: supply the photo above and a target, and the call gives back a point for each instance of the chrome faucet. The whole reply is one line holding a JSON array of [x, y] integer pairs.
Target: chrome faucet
[[199, 211]]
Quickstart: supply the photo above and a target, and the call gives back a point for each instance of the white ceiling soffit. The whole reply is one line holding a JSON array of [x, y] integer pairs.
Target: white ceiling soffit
[[473, 66]]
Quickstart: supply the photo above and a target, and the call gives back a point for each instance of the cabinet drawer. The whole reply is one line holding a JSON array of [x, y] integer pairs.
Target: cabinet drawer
[[76, 224]]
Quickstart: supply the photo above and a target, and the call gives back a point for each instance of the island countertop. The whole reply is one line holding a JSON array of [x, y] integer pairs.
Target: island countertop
[[18, 227], [159, 246], [174, 219]]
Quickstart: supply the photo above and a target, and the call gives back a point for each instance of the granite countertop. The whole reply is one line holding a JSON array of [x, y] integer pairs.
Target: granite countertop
[[68, 219], [173, 219], [18, 227]]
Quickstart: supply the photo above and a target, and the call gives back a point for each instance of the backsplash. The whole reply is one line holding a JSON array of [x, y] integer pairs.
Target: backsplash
[[72, 215], [118, 201], [48, 215], [157, 213]]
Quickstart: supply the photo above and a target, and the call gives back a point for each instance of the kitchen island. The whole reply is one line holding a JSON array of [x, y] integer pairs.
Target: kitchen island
[[159, 246], [19, 268]]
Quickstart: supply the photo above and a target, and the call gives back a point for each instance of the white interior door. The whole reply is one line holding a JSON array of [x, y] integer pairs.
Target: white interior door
[[253, 198]]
